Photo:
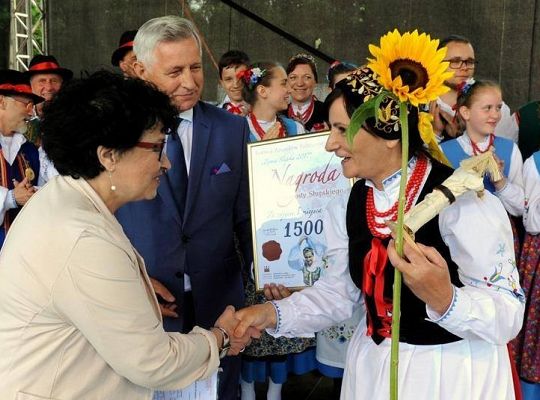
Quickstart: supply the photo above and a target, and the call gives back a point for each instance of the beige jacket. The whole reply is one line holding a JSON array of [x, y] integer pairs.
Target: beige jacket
[[78, 317]]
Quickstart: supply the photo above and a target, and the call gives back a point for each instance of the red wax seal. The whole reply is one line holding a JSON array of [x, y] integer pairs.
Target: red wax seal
[[271, 250]]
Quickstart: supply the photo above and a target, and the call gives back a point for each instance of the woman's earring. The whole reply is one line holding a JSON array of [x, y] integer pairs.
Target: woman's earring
[[113, 186]]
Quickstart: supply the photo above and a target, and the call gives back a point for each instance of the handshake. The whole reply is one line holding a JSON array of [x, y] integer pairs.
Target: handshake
[[246, 324]]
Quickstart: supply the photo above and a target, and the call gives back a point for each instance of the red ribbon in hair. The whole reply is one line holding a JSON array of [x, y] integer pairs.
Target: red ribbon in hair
[[44, 65], [21, 88]]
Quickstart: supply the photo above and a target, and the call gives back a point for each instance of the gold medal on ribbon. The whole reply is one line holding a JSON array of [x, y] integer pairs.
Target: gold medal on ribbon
[[29, 174]]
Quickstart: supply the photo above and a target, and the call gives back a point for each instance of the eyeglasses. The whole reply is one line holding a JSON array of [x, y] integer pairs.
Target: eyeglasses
[[155, 147], [457, 63], [28, 103]]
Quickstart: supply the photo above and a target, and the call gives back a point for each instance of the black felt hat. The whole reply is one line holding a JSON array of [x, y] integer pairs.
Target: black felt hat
[[125, 44], [16, 83], [42, 64]]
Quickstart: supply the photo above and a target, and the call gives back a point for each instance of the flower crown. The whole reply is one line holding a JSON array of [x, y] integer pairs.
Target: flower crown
[[464, 87], [308, 57], [251, 76]]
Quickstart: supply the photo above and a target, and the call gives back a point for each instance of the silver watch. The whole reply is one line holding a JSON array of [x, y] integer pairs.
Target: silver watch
[[226, 342]]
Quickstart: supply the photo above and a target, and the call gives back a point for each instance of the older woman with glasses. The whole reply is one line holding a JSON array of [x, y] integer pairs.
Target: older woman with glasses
[[79, 318]]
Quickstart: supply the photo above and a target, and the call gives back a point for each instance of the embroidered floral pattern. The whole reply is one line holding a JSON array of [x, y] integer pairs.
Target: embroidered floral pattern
[[527, 345], [341, 333]]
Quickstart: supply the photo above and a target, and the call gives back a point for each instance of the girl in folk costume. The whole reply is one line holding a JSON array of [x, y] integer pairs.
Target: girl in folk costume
[[454, 323], [304, 107], [479, 106], [479, 110], [527, 344], [265, 90]]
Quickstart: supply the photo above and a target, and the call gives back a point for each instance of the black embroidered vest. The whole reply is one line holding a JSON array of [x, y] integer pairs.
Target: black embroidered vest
[[414, 327]]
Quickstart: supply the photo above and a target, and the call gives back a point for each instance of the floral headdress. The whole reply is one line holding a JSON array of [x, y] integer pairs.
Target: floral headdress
[[464, 87], [406, 72], [361, 87], [302, 56], [251, 76]]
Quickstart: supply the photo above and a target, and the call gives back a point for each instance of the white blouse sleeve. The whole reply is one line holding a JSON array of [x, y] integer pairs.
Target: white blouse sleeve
[[511, 195], [490, 305], [531, 215], [334, 297]]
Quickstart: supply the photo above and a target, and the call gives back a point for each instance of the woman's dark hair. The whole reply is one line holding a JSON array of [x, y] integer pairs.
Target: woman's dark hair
[[104, 109], [249, 91], [338, 68], [352, 102], [302, 59]]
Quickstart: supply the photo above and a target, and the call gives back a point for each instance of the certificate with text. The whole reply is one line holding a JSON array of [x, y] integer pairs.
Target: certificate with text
[[291, 182]]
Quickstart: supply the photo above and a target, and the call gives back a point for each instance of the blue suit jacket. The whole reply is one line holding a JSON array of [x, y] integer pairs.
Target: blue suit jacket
[[200, 240]]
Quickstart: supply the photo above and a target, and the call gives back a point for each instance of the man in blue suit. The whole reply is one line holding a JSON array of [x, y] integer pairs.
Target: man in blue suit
[[187, 234]]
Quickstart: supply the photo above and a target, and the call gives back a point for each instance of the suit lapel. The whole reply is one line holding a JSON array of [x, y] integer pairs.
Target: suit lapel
[[165, 194], [201, 138]]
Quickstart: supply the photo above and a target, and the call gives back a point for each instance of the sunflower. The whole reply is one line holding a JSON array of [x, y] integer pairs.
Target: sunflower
[[410, 66]]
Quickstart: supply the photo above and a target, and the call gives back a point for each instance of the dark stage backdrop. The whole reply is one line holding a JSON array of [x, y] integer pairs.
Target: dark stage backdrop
[[505, 33]]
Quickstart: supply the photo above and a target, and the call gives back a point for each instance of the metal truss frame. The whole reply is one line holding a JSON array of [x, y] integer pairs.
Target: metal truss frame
[[28, 33]]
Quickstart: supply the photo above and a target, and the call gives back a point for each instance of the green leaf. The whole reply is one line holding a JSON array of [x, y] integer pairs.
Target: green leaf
[[360, 115]]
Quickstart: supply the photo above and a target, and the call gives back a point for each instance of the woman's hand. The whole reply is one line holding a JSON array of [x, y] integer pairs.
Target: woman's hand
[[426, 274], [258, 317], [273, 132], [501, 182], [276, 292], [228, 321]]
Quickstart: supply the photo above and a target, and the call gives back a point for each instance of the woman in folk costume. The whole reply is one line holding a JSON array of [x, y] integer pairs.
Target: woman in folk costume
[[305, 108], [479, 108], [265, 90], [527, 344], [455, 319]]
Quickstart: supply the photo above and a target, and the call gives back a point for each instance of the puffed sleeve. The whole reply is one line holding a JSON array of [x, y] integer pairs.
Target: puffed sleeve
[[334, 297], [490, 305], [102, 293], [531, 181]]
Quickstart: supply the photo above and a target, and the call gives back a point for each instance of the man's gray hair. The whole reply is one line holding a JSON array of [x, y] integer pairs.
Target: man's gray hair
[[163, 29]]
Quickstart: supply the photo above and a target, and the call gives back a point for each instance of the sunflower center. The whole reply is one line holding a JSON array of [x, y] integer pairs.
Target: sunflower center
[[412, 73]]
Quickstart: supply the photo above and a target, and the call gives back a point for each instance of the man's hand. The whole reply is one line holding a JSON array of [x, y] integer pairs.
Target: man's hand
[[229, 322], [168, 308], [23, 191], [451, 127], [259, 317], [426, 274]]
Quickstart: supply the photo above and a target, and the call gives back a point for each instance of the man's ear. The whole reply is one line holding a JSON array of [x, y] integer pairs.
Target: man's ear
[[139, 69], [121, 65]]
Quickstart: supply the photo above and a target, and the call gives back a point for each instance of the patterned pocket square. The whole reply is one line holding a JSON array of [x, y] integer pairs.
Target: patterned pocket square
[[223, 168]]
